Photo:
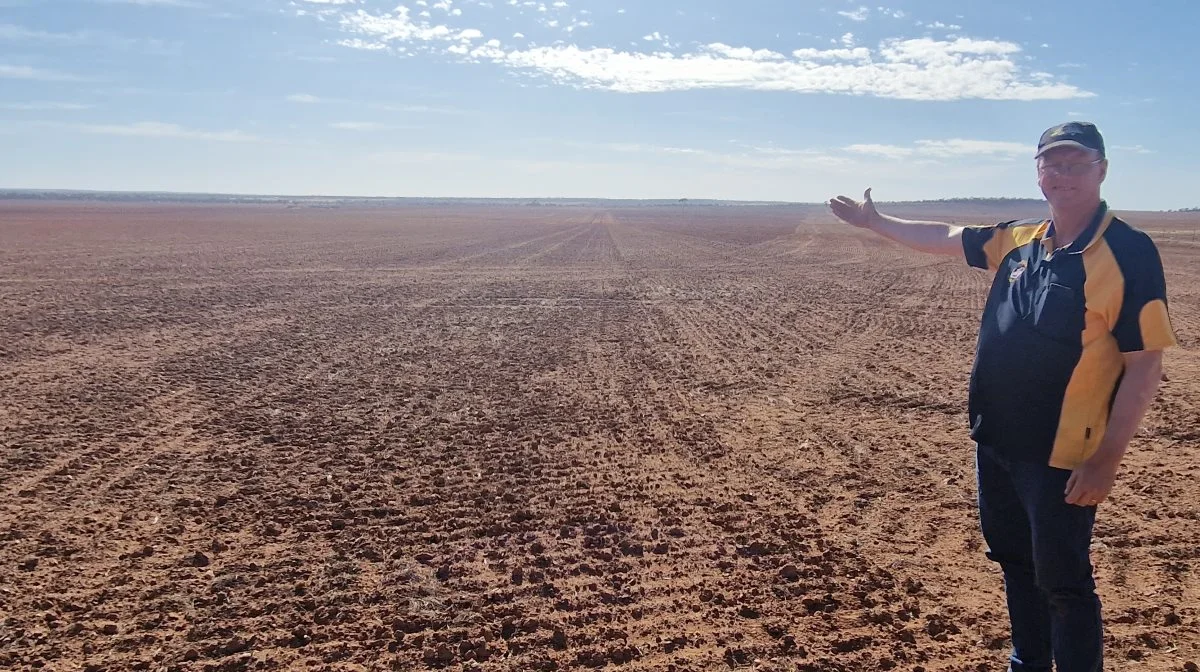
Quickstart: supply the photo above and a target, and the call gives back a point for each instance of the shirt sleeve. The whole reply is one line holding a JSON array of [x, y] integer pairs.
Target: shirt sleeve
[[1143, 323], [986, 246]]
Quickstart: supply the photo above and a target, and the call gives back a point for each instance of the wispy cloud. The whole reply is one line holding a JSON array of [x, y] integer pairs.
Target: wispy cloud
[[912, 69], [309, 99], [38, 74], [155, 129], [424, 156], [859, 14], [946, 149], [940, 26], [745, 156], [82, 38], [46, 106], [365, 126], [1133, 149], [191, 4]]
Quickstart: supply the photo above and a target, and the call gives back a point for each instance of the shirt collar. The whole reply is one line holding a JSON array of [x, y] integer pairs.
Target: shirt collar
[[1087, 237]]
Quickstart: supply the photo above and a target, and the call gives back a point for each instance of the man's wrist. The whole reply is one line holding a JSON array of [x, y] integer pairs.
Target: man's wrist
[[1108, 455], [876, 223]]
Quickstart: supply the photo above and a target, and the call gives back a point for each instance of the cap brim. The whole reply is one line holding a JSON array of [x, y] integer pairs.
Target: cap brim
[[1064, 143]]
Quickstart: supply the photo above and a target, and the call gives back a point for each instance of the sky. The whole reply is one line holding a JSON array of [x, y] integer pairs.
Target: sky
[[742, 100]]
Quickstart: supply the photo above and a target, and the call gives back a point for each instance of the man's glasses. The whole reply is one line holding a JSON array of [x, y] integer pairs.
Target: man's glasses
[[1068, 169]]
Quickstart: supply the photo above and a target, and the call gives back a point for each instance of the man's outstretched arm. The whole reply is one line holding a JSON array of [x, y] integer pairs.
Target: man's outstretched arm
[[932, 237]]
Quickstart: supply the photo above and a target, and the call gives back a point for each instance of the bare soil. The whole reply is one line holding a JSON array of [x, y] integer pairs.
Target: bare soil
[[522, 438]]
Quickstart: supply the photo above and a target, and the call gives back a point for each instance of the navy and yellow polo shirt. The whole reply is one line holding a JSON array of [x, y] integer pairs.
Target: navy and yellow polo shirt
[[1049, 360]]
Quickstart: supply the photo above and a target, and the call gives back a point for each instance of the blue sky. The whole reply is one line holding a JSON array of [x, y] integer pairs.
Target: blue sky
[[752, 99]]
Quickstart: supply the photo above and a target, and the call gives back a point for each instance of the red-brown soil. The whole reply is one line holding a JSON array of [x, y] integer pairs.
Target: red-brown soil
[[253, 438]]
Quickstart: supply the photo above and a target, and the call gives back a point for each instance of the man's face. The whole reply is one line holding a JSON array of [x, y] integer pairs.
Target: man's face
[[1071, 176]]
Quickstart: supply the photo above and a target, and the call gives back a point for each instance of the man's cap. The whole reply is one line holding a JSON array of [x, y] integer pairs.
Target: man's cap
[[1081, 134]]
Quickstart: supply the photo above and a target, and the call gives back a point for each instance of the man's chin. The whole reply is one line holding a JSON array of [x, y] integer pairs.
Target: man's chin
[[1061, 199]]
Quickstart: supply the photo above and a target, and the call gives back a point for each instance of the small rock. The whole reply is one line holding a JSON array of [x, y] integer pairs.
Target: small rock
[[442, 655], [110, 629], [790, 573], [28, 564], [736, 657], [199, 560]]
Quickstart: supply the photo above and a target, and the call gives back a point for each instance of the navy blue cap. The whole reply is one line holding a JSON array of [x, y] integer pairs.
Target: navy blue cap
[[1083, 134]]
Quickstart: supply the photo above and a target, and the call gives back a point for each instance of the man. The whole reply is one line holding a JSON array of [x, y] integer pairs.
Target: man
[[1068, 359]]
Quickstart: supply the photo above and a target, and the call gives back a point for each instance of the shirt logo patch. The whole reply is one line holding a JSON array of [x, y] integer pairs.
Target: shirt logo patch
[[1017, 272]]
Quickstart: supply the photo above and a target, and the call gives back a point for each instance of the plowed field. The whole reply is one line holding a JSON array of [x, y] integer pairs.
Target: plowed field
[[519, 438]]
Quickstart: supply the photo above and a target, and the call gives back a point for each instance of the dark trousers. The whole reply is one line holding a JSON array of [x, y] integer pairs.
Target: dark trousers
[[1042, 544]]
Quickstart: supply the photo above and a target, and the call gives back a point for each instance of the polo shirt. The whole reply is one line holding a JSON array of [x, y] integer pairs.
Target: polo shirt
[[1049, 356]]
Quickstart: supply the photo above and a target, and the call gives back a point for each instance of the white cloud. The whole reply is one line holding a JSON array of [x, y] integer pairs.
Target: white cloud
[[911, 69], [365, 45], [859, 14], [397, 27], [744, 53], [304, 98], [941, 26], [154, 129]]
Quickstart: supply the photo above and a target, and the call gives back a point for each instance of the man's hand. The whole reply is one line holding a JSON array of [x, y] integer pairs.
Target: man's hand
[[1091, 481], [854, 213]]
